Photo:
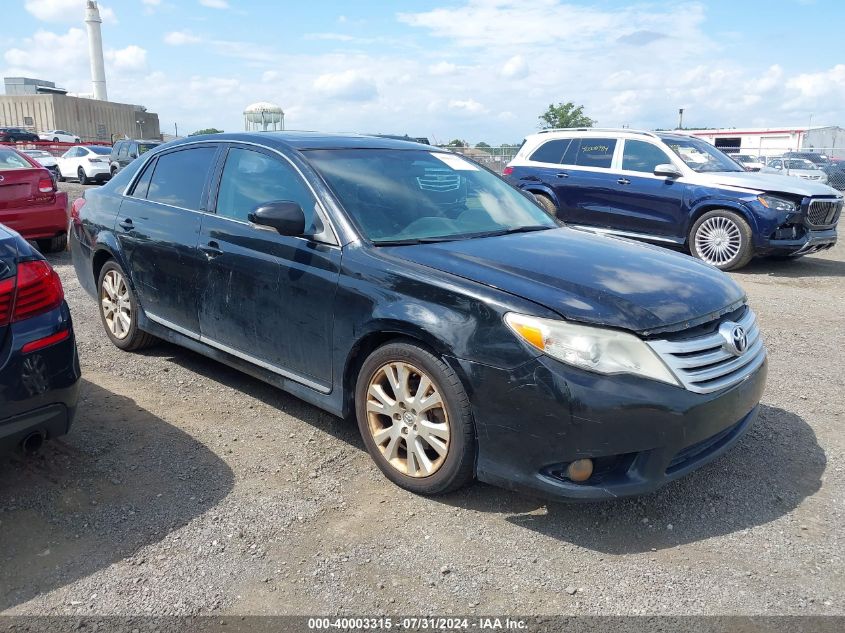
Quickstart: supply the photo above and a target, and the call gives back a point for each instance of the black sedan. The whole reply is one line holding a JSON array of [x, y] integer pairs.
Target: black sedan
[[39, 367], [469, 333], [17, 135]]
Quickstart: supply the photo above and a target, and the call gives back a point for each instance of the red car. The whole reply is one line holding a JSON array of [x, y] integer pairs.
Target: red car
[[30, 203]]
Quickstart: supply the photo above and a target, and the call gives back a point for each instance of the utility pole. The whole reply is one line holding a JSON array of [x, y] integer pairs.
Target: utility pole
[[680, 118]]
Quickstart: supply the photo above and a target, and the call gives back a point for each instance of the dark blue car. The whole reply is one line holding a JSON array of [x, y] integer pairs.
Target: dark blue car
[[468, 333], [675, 190], [39, 367]]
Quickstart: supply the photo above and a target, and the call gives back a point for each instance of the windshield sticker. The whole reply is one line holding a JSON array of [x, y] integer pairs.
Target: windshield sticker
[[455, 162]]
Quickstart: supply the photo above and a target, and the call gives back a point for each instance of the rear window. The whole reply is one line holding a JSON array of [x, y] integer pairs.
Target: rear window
[[551, 151], [145, 147], [12, 160], [179, 177], [593, 152], [100, 149]]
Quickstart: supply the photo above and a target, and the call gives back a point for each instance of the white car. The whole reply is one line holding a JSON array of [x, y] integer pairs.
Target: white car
[[59, 136], [86, 163], [43, 158], [800, 167]]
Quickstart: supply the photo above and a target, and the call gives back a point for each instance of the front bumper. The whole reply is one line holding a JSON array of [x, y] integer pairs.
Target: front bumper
[[534, 420], [811, 242]]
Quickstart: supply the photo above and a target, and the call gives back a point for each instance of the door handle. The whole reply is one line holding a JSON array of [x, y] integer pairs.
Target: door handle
[[624, 181], [211, 250], [562, 174], [127, 225]]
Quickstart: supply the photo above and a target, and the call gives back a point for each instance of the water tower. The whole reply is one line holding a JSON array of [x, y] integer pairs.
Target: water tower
[[263, 116]]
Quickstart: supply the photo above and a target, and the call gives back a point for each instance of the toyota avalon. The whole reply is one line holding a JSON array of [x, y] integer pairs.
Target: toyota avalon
[[469, 334]]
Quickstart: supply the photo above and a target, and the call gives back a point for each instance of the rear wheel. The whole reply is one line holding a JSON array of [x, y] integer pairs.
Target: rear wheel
[[119, 309], [55, 140], [722, 238], [414, 416], [548, 205], [82, 176]]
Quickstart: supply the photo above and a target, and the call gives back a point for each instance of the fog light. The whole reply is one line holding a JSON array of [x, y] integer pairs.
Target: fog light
[[580, 470]]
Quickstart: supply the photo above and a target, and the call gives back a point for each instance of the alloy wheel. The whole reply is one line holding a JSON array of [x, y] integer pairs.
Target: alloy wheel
[[115, 304], [718, 240], [407, 419]]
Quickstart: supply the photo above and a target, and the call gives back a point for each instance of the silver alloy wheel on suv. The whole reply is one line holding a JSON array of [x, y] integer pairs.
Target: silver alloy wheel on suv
[[718, 240]]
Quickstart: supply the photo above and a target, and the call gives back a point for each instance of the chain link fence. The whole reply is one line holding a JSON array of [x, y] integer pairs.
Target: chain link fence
[[494, 158]]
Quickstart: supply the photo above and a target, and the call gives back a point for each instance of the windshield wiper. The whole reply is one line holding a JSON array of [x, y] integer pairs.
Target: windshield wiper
[[417, 240], [518, 229]]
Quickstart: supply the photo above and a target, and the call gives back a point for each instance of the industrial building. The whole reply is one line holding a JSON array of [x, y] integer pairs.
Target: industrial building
[[38, 105], [768, 142]]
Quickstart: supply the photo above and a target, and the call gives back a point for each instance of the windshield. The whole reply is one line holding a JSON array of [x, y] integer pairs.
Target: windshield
[[36, 153], [799, 163], [744, 158], [407, 196], [145, 147], [99, 149], [701, 156]]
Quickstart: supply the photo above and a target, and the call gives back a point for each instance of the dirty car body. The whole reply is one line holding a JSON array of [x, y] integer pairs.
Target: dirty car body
[[303, 312]]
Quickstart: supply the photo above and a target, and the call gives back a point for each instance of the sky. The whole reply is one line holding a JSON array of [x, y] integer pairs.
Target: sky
[[477, 70]]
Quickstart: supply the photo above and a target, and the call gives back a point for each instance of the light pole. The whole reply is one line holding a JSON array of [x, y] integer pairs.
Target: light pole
[[680, 118], [140, 129]]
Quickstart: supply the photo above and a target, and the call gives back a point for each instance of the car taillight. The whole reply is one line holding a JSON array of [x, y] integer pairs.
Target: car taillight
[[507, 171], [45, 185], [7, 293], [75, 208], [39, 290]]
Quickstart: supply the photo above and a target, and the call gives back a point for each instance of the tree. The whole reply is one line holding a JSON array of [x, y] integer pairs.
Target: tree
[[483, 146], [564, 115], [457, 143], [208, 130]]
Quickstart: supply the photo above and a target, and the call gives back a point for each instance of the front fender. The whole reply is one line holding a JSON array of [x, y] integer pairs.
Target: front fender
[[711, 202], [541, 188]]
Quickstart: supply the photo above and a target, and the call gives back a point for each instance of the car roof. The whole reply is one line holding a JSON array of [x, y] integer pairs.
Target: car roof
[[309, 140]]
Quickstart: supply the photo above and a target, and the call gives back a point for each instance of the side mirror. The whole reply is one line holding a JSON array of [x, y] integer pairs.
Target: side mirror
[[285, 216], [667, 171]]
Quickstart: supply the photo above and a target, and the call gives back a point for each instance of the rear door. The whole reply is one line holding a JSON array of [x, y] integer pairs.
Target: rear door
[[266, 297], [641, 202], [158, 226], [584, 181]]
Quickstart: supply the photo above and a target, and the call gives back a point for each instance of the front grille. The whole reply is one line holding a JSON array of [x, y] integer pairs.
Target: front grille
[[708, 363], [439, 180], [824, 212]]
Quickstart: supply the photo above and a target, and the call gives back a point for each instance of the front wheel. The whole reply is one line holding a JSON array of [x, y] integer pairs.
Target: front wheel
[[414, 416], [82, 176], [546, 203], [722, 238], [55, 140], [119, 309]]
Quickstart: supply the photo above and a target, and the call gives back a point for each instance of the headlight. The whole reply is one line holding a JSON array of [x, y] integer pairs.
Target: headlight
[[777, 204], [595, 349]]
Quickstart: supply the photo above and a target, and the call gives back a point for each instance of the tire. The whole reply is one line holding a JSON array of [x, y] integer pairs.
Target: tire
[[126, 338], [54, 245], [446, 423], [83, 178], [55, 140], [548, 205], [722, 238], [113, 171]]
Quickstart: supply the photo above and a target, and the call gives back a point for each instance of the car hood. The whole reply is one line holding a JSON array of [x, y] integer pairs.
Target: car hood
[[590, 278], [762, 182]]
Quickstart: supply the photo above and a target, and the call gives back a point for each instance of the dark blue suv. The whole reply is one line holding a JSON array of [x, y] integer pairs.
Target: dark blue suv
[[677, 190]]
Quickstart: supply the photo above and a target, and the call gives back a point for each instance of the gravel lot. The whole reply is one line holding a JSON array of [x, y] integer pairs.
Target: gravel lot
[[186, 487]]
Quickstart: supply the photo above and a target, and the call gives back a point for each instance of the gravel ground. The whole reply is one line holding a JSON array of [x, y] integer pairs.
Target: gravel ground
[[186, 487]]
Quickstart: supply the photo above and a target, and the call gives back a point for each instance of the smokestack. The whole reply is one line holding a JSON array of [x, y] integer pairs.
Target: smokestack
[[95, 50]]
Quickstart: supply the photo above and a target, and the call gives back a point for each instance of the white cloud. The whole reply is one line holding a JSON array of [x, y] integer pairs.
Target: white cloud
[[64, 10], [348, 85], [180, 38], [470, 106], [215, 4], [131, 58], [515, 68], [40, 52], [441, 69], [151, 3]]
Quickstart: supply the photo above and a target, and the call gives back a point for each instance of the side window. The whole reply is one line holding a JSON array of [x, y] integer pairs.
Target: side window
[[124, 150], [551, 151], [143, 184], [642, 156], [596, 152], [179, 177], [251, 178]]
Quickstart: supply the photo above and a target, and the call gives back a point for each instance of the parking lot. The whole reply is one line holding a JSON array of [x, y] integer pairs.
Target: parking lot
[[187, 487]]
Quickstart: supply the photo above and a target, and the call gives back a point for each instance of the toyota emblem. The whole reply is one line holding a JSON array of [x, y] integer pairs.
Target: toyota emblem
[[736, 338]]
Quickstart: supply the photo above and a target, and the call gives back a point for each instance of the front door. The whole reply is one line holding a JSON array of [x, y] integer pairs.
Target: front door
[[268, 298], [641, 202], [158, 227], [584, 181]]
